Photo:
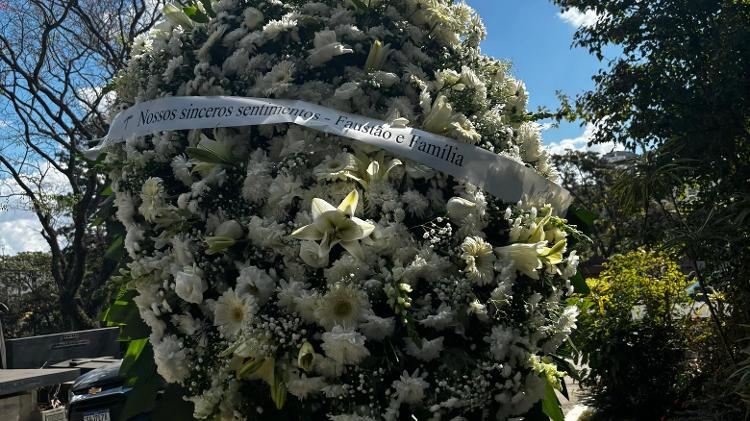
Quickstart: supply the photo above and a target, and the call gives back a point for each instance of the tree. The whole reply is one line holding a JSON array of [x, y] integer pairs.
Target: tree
[[681, 91], [590, 178], [680, 94], [57, 61], [26, 288]]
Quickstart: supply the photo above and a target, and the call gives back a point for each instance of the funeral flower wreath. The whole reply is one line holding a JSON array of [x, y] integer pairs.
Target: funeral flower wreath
[[288, 273]]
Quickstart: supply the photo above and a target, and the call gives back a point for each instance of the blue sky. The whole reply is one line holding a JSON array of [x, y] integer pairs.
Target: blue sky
[[537, 39]]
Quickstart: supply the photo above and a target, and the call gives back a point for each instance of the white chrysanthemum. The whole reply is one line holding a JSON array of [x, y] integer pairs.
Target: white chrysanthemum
[[345, 346], [479, 259], [306, 304], [428, 351], [157, 326], [415, 203], [125, 208], [443, 318], [284, 188], [377, 328], [171, 359], [277, 80], [256, 282], [501, 341], [303, 386], [265, 233], [232, 312], [288, 294], [410, 387], [529, 141], [186, 323], [252, 17], [275, 27], [152, 198], [181, 169], [347, 268], [189, 284], [347, 91], [342, 305], [257, 179]]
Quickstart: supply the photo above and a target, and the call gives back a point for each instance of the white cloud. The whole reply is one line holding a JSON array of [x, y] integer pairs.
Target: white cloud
[[19, 227], [577, 18], [580, 143], [90, 95], [20, 231]]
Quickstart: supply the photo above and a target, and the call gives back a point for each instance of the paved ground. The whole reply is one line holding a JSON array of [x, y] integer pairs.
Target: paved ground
[[572, 408]]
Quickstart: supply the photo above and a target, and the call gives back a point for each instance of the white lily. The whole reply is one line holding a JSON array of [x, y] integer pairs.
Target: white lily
[[177, 17], [336, 225], [377, 170], [326, 48], [525, 257]]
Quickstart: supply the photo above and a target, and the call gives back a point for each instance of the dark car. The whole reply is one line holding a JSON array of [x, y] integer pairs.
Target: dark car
[[100, 395]]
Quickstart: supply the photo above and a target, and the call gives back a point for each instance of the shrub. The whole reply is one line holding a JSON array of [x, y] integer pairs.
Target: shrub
[[633, 334]]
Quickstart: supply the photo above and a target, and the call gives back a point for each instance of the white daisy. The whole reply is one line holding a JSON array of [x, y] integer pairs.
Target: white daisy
[[336, 168], [341, 305], [232, 311], [480, 260]]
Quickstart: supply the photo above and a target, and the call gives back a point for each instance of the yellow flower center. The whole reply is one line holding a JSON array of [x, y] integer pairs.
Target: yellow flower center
[[238, 313], [342, 309]]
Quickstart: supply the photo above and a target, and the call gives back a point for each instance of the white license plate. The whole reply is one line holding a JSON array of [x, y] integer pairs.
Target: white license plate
[[100, 415]]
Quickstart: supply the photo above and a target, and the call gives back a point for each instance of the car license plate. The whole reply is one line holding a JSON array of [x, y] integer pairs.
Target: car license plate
[[100, 415]]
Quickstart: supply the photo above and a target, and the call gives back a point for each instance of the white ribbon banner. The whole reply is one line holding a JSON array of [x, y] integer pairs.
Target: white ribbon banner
[[500, 176]]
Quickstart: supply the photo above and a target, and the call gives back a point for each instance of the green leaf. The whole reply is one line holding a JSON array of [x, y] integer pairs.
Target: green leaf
[[579, 216], [171, 406], [579, 284], [195, 14], [564, 390], [551, 405], [207, 7], [278, 392], [116, 250], [107, 191], [142, 398], [135, 328], [141, 366], [359, 4], [134, 351], [105, 212], [123, 309]]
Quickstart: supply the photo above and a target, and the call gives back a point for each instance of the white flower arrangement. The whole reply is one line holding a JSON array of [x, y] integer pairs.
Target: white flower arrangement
[[284, 270]]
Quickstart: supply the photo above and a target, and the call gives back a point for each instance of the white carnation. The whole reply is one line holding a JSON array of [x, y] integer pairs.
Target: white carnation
[[428, 351], [171, 359], [189, 284], [345, 346]]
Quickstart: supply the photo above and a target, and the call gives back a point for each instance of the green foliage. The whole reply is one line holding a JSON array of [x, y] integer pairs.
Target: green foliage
[[138, 365], [742, 377], [632, 332], [612, 227], [680, 94], [27, 288]]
